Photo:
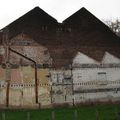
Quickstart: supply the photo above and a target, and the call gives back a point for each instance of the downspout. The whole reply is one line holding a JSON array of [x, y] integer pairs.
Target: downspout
[[8, 77], [35, 65], [71, 69], [8, 74]]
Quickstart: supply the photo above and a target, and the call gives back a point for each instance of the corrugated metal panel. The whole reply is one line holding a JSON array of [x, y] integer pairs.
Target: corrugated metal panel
[[16, 76], [2, 74], [42, 76], [27, 74]]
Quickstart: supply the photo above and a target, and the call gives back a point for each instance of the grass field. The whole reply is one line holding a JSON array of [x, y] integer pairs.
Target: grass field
[[100, 112]]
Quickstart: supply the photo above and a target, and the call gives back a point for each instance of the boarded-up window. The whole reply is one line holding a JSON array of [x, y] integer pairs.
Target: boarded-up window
[[102, 76]]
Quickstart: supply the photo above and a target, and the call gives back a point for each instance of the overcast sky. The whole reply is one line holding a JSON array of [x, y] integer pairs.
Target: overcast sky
[[10, 10]]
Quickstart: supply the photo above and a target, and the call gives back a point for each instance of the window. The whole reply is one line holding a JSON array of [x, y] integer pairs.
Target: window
[[59, 77], [45, 65], [68, 29], [79, 76], [102, 76], [46, 52], [44, 28]]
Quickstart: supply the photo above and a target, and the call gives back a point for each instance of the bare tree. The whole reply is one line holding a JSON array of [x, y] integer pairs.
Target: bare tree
[[113, 25]]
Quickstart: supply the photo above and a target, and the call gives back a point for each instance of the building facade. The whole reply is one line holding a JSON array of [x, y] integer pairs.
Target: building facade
[[43, 62]]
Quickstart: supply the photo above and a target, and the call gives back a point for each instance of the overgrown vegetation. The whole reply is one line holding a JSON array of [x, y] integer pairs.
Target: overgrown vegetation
[[99, 112]]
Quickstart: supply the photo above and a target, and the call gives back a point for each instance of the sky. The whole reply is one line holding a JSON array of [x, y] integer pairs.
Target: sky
[[10, 10]]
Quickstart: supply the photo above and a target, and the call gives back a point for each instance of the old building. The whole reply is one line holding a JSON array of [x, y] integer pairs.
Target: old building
[[76, 60], [96, 81]]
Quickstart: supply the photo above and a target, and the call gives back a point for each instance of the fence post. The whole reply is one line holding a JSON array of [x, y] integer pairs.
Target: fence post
[[116, 114], [28, 115], [53, 115], [3, 116], [97, 115], [75, 115]]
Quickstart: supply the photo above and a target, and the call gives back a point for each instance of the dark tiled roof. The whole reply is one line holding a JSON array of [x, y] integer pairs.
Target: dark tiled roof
[[0, 44], [1, 36], [82, 32]]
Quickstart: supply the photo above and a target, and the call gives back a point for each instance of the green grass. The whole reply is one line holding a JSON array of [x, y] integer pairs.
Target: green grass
[[100, 112]]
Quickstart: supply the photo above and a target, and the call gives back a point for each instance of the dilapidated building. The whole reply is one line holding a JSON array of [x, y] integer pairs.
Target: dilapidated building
[[48, 62]]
